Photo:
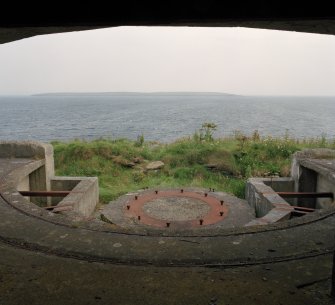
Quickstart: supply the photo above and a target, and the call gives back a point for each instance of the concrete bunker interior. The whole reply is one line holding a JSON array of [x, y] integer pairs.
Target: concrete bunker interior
[[53, 242]]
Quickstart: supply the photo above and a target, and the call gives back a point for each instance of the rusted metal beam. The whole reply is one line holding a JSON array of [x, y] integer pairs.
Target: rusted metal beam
[[305, 195], [45, 193], [298, 213], [303, 209]]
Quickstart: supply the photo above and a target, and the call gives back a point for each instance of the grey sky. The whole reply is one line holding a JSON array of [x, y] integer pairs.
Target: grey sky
[[233, 60]]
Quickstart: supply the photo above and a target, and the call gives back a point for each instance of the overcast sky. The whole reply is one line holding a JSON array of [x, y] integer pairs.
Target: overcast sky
[[150, 59]]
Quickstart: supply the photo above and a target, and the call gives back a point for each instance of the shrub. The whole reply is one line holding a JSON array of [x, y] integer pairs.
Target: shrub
[[140, 140]]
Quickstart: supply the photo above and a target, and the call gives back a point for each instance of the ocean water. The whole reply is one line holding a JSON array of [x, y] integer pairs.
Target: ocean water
[[161, 117]]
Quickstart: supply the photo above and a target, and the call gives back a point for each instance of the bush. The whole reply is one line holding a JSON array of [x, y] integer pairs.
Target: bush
[[140, 140]]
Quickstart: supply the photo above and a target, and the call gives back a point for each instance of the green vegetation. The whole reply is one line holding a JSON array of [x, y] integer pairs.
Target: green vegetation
[[199, 161]]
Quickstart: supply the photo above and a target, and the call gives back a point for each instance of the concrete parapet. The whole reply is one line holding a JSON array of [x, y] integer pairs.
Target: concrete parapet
[[65, 183], [268, 205], [83, 198], [305, 157], [25, 149], [29, 166], [40, 178], [255, 188], [313, 170]]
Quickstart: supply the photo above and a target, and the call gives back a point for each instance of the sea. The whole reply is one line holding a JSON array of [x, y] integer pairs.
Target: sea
[[162, 117]]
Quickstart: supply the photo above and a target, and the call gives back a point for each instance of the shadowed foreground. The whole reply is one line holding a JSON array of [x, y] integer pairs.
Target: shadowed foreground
[[32, 278]]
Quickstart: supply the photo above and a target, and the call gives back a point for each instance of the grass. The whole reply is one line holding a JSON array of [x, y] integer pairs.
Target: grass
[[119, 163]]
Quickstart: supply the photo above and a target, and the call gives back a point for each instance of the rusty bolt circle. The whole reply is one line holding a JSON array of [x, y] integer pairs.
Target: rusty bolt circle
[[214, 216]]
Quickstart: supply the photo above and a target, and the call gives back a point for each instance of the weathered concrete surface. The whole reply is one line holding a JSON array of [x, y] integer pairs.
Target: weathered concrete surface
[[84, 196], [269, 206], [41, 279], [39, 178], [313, 170], [25, 149], [12, 171], [324, 185], [62, 184], [30, 166], [47, 234]]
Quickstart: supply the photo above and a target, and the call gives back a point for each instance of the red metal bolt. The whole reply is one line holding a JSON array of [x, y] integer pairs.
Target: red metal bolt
[[221, 213], [201, 221]]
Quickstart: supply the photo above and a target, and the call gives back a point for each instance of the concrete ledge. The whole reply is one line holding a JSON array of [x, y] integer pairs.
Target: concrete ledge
[[309, 159], [14, 174]]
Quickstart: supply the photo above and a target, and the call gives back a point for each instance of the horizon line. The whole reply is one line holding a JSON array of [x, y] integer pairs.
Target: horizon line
[[160, 92]]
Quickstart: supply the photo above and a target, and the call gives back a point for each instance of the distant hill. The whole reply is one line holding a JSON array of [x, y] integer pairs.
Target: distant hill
[[134, 93]]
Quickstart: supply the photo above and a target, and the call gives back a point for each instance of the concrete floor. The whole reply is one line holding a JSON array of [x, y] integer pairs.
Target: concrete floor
[[28, 277]]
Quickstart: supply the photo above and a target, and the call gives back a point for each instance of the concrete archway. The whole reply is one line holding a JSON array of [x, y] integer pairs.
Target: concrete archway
[[42, 278]]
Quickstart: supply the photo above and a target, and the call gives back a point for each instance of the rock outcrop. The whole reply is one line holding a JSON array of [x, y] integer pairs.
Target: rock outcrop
[[154, 165]]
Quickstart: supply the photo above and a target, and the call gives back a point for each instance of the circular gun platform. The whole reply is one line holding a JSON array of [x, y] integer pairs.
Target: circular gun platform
[[178, 209]]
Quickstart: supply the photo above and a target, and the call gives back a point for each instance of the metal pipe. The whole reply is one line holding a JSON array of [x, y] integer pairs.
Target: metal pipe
[[305, 195], [303, 208], [298, 213]]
